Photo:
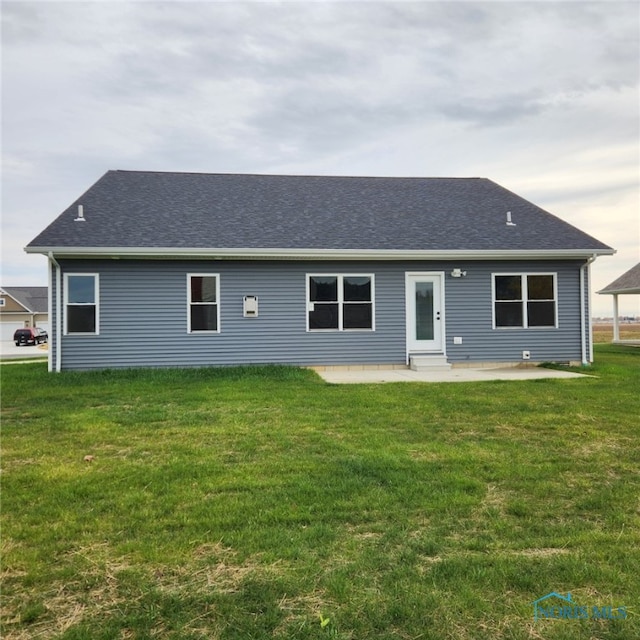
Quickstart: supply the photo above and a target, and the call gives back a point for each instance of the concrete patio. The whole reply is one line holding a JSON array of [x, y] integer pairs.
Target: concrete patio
[[345, 375]]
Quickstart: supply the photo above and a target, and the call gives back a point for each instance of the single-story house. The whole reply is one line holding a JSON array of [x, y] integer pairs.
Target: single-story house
[[185, 269], [627, 284], [23, 307]]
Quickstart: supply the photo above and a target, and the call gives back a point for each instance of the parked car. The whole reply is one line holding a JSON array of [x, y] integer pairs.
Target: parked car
[[33, 335]]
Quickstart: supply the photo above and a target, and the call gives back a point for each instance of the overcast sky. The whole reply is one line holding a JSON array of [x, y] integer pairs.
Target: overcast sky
[[541, 97]]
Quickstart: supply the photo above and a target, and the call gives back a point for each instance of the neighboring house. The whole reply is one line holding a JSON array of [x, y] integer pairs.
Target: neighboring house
[[183, 269], [22, 307], [627, 284]]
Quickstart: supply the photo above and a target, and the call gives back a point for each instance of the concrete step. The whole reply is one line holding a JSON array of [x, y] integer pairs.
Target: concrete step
[[431, 362]]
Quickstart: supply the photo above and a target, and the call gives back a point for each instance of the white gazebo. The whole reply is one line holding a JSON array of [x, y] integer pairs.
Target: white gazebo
[[628, 283]]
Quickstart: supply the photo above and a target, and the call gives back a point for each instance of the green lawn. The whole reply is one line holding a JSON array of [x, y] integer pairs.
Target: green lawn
[[265, 503]]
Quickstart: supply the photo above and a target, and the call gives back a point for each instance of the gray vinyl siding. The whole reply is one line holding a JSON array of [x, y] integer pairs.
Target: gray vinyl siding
[[469, 316], [143, 315]]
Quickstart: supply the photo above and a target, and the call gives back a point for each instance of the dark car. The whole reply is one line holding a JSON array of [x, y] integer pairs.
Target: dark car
[[34, 335]]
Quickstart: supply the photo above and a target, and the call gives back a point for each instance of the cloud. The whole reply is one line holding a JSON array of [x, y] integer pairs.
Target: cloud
[[539, 96]]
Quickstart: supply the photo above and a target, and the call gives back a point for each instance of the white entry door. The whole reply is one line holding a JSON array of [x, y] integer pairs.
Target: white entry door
[[425, 312]]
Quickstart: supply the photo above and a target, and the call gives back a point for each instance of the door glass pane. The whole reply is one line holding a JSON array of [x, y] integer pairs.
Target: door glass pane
[[424, 311]]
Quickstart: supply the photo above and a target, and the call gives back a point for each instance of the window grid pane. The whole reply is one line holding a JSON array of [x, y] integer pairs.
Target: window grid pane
[[81, 290], [541, 314], [204, 317], [324, 316], [509, 314], [323, 289], [81, 303], [81, 318], [203, 303], [357, 289], [357, 316], [540, 287], [203, 289], [525, 300], [508, 287], [338, 302]]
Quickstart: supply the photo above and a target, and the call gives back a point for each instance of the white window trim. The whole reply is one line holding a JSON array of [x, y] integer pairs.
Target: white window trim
[[96, 304], [525, 299], [189, 303], [2, 302], [340, 301]]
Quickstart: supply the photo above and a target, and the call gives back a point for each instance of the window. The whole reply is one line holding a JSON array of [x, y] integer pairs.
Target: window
[[2, 302], [340, 302], [524, 300], [81, 303], [203, 296]]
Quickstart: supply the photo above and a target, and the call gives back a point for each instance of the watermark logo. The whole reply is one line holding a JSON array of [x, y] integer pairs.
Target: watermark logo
[[558, 607]]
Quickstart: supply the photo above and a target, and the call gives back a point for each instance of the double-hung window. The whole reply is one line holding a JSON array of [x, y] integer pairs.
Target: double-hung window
[[340, 302], [525, 300], [81, 303], [203, 302]]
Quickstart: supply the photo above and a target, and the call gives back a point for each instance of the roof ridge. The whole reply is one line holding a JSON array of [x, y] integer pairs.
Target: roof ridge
[[294, 175]]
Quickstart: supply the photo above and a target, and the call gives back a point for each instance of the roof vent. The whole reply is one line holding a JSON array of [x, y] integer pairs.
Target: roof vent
[[509, 223], [80, 217]]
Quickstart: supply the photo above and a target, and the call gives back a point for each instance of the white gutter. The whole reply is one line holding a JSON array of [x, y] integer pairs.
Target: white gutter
[[585, 310], [589, 317], [167, 253], [58, 326]]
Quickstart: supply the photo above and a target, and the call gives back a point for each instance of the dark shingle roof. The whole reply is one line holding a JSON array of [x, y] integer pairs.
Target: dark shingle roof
[[136, 209], [34, 299], [628, 282]]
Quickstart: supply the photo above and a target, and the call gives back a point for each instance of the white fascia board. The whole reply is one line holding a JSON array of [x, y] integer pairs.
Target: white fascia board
[[630, 290], [168, 253]]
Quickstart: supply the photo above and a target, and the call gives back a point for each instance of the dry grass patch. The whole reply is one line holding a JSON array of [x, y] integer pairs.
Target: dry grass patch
[[494, 498], [538, 553], [305, 610], [93, 592], [102, 588]]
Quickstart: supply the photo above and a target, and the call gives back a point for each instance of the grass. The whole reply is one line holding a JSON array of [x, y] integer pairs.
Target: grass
[[263, 503]]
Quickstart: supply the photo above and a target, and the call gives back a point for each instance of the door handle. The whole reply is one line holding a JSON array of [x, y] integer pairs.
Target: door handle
[[437, 315]]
